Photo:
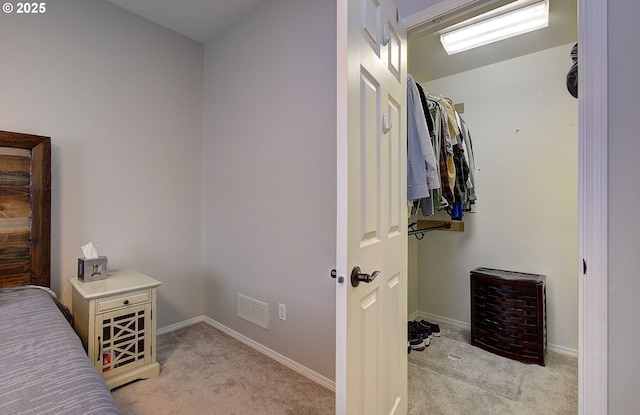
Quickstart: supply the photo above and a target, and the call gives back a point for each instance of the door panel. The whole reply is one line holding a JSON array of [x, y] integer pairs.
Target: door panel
[[369, 186], [371, 339], [370, 23], [369, 374], [395, 169], [395, 51]]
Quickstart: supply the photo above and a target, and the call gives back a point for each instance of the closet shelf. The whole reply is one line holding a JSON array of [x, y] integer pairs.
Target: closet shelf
[[423, 226]]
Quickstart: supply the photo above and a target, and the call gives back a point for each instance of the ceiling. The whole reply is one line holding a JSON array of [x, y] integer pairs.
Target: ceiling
[[202, 20], [428, 59]]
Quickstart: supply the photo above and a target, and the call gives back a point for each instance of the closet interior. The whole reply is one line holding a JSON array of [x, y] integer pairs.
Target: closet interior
[[513, 205]]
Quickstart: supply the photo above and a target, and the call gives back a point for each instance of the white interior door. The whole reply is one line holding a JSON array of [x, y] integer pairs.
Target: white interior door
[[371, 337]]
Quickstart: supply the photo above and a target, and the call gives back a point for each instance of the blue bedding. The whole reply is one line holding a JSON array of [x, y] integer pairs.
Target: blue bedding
[[43, 366]]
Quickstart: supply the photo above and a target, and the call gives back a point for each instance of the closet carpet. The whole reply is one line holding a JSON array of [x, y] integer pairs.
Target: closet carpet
[[451, 377], [204, 371]]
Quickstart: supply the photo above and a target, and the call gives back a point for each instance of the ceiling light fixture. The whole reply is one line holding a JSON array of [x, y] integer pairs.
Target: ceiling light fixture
[[523, 20]]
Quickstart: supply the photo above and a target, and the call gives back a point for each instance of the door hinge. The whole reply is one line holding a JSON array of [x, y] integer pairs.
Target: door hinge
[[584, 267]]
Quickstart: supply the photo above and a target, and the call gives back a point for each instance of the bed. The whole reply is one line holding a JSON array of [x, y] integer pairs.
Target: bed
[[43, 366]]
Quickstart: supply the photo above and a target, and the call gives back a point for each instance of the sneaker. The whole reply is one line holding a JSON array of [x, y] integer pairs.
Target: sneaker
[[416, 344], [421, 328], [435, 329], [417, 340]]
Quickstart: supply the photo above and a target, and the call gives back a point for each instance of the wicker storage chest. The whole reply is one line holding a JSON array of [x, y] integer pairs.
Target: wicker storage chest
[[508, 314]]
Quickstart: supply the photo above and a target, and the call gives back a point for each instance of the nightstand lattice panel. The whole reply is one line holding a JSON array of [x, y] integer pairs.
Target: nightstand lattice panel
[[123, 344]]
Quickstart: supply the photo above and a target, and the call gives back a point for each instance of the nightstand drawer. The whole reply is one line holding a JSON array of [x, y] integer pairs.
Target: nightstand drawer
[[123, 301]]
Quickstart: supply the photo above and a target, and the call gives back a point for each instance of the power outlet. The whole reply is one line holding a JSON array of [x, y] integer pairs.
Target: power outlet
[[282, 312]]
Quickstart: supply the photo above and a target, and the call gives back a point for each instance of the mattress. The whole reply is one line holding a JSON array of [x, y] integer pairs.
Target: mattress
[[43, 366]]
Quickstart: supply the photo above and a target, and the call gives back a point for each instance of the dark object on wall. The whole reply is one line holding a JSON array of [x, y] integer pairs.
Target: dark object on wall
[[508, 314], [572, 76]]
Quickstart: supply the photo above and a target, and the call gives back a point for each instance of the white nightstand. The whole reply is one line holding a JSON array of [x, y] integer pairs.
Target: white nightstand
[[115, 319]]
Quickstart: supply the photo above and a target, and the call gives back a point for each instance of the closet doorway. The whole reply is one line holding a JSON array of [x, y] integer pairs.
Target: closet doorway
[[529, 216]]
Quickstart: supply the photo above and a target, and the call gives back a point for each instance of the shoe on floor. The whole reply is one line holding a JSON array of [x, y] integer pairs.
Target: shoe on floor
[[416, 339], [421, 328], [435, 329], [417, 344]]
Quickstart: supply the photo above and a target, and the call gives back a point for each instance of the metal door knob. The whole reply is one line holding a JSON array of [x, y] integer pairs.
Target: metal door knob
[[357, 276]]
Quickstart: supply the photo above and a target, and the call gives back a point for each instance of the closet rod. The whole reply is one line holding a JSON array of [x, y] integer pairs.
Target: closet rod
[[429, 229], [419, 228]]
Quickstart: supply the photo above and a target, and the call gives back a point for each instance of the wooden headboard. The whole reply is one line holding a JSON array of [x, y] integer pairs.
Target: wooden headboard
[[25, 209]]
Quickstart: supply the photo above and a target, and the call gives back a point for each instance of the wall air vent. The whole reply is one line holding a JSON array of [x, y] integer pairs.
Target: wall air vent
[[253, 311]]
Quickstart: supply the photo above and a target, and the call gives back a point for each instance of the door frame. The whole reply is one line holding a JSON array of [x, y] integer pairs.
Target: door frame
[[592, 196], [593, 130]]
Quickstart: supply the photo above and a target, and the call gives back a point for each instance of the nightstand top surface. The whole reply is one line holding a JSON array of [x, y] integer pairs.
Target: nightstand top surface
[[116, 282]]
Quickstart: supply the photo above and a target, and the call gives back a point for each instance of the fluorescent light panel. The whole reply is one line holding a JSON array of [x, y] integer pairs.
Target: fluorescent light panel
[[516, 22]]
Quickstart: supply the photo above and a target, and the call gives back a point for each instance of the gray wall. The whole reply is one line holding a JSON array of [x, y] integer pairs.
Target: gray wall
[[270, 176], [121, 99], [624, 201]]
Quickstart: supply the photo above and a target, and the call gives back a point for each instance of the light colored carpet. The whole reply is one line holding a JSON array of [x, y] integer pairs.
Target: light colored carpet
[[549, 390], [206, 372], [462, 361]]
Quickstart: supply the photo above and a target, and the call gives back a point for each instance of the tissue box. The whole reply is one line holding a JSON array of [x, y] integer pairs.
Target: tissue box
[[92, 269]]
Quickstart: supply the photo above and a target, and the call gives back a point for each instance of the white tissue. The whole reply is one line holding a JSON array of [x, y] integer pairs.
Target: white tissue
[[90, 251]]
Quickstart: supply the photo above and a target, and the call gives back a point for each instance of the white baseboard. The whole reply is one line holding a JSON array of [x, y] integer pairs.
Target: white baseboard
[[461, 324], [562, 350], [180, 325], [441, 320], [304, 371], [297, 367]]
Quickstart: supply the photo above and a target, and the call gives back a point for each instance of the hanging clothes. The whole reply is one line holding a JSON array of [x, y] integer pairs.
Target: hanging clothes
[[469, 160], [451, 131], [452, 120], [440, 159], [422, 170], [429, 205], [446, 157]]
